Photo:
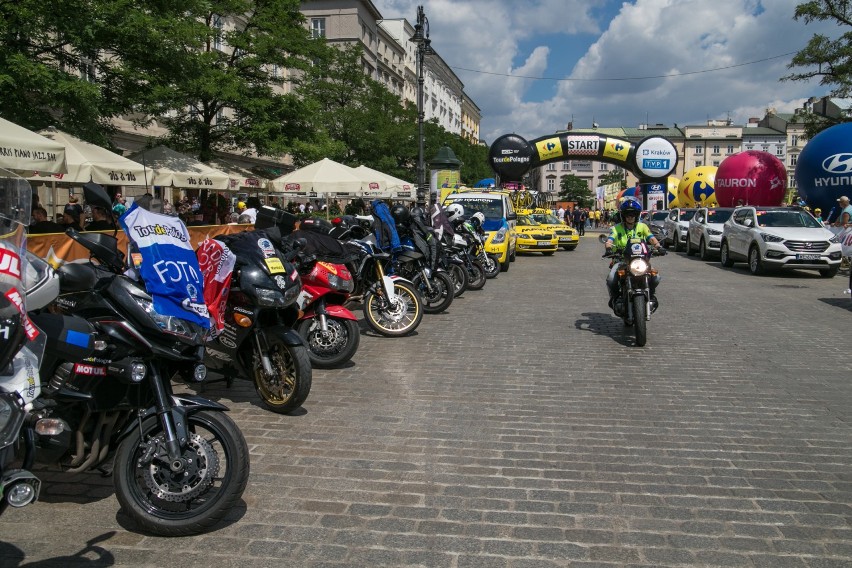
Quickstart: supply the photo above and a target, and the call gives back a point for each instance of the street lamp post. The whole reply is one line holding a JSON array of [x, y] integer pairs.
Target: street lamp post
[[421, 38]]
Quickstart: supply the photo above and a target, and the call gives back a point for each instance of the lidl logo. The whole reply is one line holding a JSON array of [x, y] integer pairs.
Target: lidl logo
[[616, 149], [548, 149]]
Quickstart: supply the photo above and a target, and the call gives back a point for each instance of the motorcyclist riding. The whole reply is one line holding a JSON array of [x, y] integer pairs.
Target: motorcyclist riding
[[629, 228]]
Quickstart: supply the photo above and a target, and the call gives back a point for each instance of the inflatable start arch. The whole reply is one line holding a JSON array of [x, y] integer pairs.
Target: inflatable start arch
[[653, 159]]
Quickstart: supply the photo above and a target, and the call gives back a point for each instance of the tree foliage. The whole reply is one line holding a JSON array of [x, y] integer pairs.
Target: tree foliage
[[830, 60], [576, 189]]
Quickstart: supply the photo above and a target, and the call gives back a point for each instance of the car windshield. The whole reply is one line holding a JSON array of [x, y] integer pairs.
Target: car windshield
[[659, 216], [790, 218], [524, 221], [686, 215], [546, 219], [491, 208], [718, 216]]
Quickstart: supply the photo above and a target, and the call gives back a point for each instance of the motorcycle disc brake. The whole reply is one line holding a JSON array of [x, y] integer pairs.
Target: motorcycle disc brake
[[201, 467]]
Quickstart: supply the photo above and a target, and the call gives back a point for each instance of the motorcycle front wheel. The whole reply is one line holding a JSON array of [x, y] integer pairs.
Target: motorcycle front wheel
[[459, 275], [290, 383], [491, 266], [331, 348], [476, 275], [394, 319], [193, 499], [438, 294], [640, 326]]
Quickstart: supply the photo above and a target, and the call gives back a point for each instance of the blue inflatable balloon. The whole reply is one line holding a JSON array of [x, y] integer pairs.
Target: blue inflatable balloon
[[824, 169]]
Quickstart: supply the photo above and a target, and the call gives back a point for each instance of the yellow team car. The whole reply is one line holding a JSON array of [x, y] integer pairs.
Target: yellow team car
[[568, 237], [534, 237]]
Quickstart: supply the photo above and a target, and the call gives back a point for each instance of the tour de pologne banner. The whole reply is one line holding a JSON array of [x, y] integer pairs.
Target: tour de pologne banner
[[169, 266]]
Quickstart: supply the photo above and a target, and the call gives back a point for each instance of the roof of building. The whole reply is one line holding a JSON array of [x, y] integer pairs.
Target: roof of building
[[761, 131]]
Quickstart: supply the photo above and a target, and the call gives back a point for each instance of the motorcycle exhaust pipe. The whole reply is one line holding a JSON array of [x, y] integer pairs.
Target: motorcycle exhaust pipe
[[19, 488]]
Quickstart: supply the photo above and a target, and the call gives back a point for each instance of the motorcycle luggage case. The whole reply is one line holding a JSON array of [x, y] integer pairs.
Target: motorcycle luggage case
[[75, 277]]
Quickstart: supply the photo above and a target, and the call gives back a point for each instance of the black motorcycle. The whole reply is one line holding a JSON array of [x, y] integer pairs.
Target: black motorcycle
[[634, 303], [259, 342], [179, 463], [435, 286]]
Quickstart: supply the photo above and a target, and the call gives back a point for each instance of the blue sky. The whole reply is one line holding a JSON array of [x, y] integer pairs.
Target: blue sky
[[534, 65]]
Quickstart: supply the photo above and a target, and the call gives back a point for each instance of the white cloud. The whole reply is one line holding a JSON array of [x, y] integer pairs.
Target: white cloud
[[643, 38]]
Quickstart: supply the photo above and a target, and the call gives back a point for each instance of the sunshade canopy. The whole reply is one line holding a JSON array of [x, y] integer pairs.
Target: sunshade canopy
[[323, 177], [395, 188], [87, 162], [167, 168], [25, 151]]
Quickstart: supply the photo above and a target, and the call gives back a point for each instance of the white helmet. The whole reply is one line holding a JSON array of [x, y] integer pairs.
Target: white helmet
[[454, 212], [479, 216]]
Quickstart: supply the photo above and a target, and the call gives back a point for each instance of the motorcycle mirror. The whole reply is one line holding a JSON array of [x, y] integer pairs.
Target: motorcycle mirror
[[96, 196]]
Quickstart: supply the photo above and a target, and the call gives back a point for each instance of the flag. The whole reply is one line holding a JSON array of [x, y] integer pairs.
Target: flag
[[169, 266], [216, 262]]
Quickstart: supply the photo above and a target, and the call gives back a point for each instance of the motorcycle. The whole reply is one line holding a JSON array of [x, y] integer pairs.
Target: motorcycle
[[634, 302], [435, 286], [178, 462], [259, 342], [473, 233]]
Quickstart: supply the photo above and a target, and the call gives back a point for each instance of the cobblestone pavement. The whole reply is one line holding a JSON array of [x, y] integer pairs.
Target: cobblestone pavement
[[524, 429]]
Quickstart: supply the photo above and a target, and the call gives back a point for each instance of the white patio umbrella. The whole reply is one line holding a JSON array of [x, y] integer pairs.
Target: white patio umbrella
[[395, 188], [167, 168], [87, 162], [26, 152], [325, 177]]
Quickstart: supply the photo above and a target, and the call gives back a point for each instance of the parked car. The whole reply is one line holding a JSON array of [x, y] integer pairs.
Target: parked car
[[779, 238], [705, 231], [655, 221], [568, 237], [535, 237], [676, 227]]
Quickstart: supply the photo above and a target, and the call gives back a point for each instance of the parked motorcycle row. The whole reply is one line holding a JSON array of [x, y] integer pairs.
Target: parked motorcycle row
[[87, 362]]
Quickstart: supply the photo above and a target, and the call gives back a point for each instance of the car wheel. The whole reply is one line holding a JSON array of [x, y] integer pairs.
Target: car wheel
[[830, 272], [676, 240], [702, 250], [689, 250], [755, 263], [724, 255]]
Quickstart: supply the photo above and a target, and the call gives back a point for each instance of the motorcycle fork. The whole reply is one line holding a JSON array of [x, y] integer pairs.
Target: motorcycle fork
[[322, 315], [263, 352], [426, 279], [175, 432]]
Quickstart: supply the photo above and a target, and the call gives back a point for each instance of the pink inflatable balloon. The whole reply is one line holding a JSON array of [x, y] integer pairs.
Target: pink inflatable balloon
[[751, 178]]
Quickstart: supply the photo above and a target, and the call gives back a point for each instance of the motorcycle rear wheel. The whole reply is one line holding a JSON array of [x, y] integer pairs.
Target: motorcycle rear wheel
[[159, 502], [438, 294], [640, 326], [334, 347], [394, 320], [288, 389], [476, 276]]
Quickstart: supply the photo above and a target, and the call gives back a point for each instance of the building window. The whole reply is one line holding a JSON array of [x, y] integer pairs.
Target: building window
[[87, 70], [717, 149], [317, 27], [551, 167], [551, 184], [794, 140], [794, 159], [217, 26], [699, 149], [765, 147], [716, 163], [779, 151], [603, 166], [792, 181], [698, 163], [730, 148], [749, 147], [565, 166]]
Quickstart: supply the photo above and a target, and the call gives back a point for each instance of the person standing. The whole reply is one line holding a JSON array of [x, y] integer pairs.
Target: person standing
[[845, 218], [560, 213], [101, 221], [579, 221]]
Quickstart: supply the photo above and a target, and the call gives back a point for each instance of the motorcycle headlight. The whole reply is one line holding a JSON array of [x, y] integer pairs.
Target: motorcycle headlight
[[638, 266], [170, 324], [767, 238], [268, 298], [499, 236], [342, 281], [11, 418]]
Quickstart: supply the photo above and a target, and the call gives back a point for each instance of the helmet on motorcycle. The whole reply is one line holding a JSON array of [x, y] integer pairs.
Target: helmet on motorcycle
[[630, 206], [419, 213], [454, 212], [400, 214], [478, 219]]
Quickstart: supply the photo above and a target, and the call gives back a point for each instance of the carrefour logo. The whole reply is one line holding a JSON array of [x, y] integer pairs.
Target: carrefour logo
[[838, 164]]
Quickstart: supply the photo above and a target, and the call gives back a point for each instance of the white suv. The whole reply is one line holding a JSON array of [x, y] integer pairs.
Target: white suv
[[705, 231], [676, 226], [779, 237]]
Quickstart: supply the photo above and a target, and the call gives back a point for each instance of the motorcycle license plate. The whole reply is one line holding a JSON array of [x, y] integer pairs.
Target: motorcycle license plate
[[807, 257]]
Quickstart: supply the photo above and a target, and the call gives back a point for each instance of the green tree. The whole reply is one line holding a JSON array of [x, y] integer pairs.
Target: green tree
[[829, 60], [217, 87], [577, 190]]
